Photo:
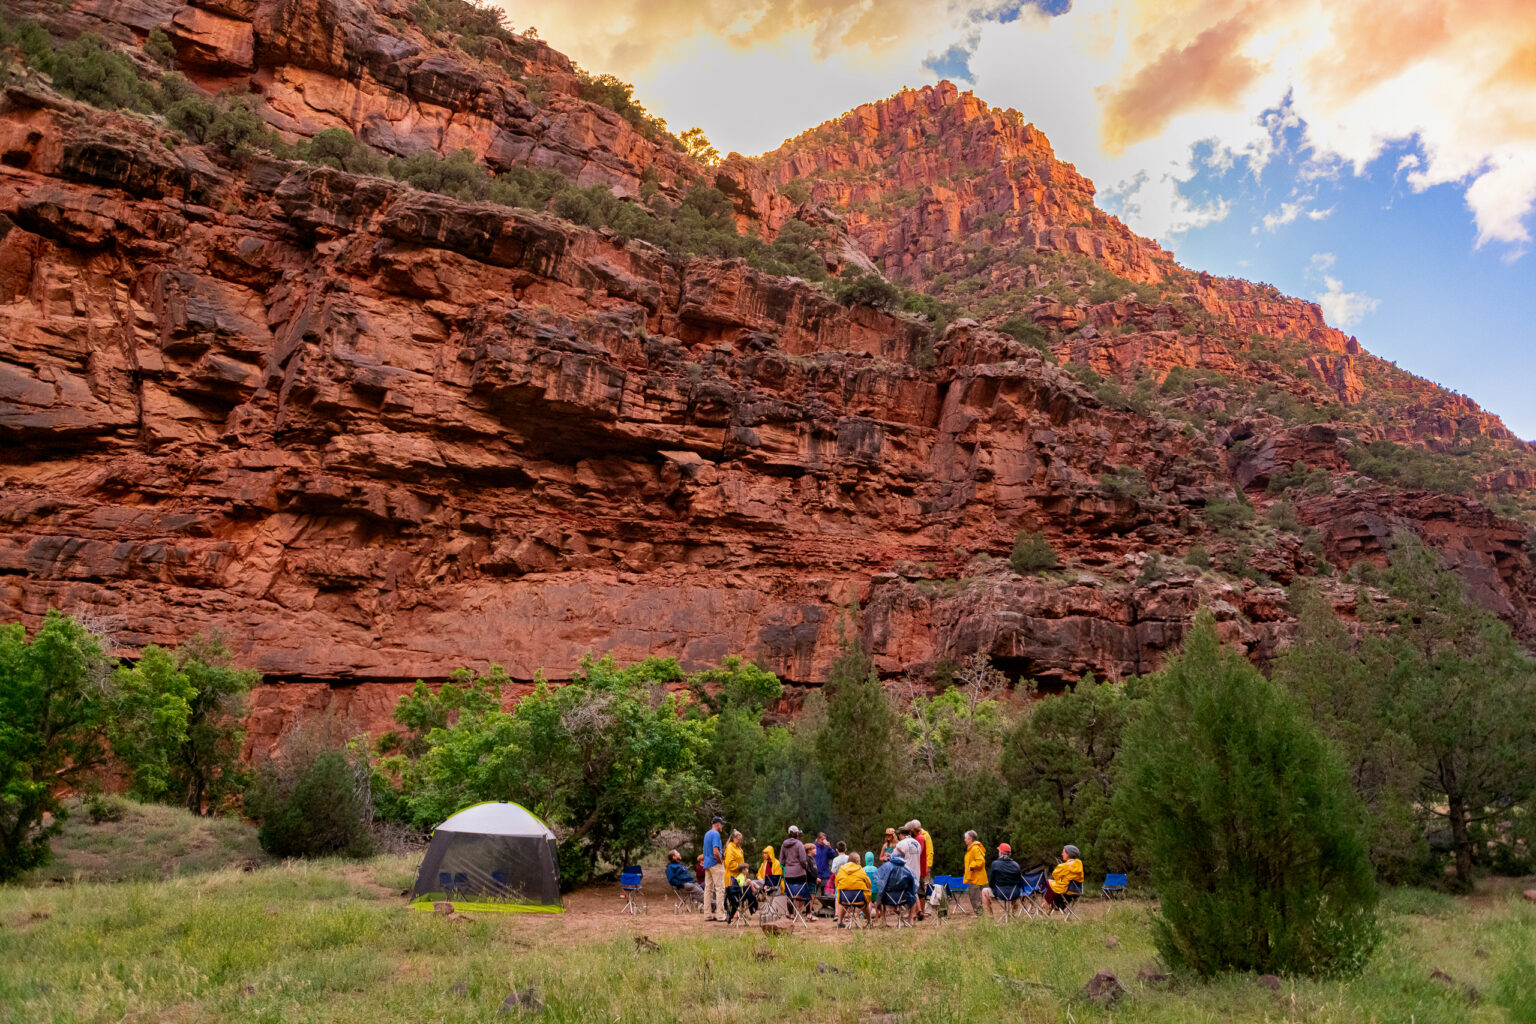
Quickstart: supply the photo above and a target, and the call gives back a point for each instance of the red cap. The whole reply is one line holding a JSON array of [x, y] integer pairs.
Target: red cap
[[1004, 848]]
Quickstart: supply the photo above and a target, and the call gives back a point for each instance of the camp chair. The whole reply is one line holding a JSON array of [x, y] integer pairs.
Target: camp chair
[[1114, 887], [630, 889], [800, 895], [687, 902], [904, 902], [957, 888], [1013, 898], [743, 915], [1067, 907], [1034, 886], [859, 899]]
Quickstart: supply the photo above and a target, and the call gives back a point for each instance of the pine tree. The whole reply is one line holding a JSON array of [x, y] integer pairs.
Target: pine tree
[[856, 746], [1245, 819]]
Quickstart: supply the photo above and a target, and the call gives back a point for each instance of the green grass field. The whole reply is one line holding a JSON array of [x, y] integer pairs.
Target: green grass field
[[333, 941]]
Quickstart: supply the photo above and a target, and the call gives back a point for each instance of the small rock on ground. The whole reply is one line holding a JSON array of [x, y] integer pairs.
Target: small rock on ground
[[1113, 942], [1270, 982], [1154, 978], [1530, 894], [1104, 989], [823, 968], [442, 907]]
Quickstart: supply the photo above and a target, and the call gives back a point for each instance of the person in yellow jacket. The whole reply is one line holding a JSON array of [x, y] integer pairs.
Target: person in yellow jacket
[[1068, 871], [734, 859], [769, 872], [975, 870], [851, 878]]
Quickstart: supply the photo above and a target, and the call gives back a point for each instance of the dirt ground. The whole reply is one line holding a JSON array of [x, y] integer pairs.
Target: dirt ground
[[597, 912]]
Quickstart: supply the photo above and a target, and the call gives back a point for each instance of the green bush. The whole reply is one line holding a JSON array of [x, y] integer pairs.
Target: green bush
[[796, 191], [1032, 553], [339, 148], [1198, 556], [88, 70], [1124, 482], [619, 96], [1227, 515], [228, 123], [1282, 516], [312, 801], [867, 289], [1246, 821], [158, 48], [1027, 332]]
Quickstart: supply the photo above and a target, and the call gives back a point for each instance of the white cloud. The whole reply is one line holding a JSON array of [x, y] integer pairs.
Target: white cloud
[[1342, 308], [1323, 261]]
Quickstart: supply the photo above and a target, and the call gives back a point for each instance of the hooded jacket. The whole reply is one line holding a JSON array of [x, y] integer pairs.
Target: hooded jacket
[[871, 871], [851, 876], [771, 863], [895, 876], [975, 864], [735, 860], [1067, 871], [792, 856]]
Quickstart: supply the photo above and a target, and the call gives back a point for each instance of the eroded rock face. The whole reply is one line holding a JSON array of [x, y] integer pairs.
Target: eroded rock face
[[372, 434]]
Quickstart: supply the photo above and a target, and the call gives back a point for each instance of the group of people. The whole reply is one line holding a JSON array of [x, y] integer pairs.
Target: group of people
[[852, 880]]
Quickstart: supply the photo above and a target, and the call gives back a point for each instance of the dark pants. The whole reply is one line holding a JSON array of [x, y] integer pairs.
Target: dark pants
[[737, 898], [1054, 898]]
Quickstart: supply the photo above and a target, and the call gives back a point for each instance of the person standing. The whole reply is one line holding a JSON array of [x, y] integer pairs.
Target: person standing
[[889, 846], [714, 872], [823, 856], [792, 858], [975, 876]]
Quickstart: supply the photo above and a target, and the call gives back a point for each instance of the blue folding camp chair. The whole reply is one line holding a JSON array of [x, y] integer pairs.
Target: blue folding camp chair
[[800, 895], [957, 893], [630, 889], [1114, 887], [1066, 907], [857, 899], [1034, 886]]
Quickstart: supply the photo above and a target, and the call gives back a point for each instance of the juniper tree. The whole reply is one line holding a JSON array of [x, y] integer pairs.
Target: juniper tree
[[855, 744], [1245, 819]]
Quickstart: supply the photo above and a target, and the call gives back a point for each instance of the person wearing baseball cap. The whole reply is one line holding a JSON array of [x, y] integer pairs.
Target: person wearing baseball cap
[[714, 871], [1006, 875]]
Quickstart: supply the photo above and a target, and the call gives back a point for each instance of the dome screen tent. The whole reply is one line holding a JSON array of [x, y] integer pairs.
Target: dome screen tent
[[492, 856]]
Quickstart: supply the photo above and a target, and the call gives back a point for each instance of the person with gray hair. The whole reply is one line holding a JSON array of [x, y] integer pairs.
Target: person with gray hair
[[1068, 871], [975, 876]]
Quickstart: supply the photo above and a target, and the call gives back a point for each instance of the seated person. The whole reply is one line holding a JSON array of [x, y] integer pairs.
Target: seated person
[[740, 894], [897, 884], [679, 877], [852, 887], [1006, 878], [1068, 871], [769, 872]]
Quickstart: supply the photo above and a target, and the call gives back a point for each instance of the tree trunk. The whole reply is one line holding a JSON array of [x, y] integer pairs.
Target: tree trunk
[[1461, 841]]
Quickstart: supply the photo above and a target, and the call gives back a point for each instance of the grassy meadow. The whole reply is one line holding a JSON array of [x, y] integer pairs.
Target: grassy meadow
[[333, 941]]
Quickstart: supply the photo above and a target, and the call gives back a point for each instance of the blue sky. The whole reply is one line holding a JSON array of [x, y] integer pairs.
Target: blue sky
[[1459, 315]]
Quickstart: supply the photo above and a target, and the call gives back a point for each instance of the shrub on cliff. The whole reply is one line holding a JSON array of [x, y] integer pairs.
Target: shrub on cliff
[[339, 148], [867, 289], [1032, 553], [88, 70], [227, 123], [1027, 332], [1246, 822]]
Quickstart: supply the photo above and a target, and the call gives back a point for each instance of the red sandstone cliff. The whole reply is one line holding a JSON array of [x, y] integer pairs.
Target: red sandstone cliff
[[372, 433]]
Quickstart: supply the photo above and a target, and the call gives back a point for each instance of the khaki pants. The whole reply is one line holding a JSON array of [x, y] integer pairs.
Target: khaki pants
[[714, 891]]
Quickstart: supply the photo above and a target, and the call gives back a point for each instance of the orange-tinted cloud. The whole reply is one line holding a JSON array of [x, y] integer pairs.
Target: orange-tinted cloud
[[1211, 71]]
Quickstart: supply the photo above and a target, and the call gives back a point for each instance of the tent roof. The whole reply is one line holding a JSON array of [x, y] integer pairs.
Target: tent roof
[[496, 819]]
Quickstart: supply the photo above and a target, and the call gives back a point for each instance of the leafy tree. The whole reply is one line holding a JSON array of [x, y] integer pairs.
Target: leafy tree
[[1462, 695], [152, 704], [796, 191], [606, 760], [1059, 762], [205, 772], [1243, 815], [1026, 331], [1032, 553], [1343, 690], [955, 748], [854, 745], [53, 719], [696, 144]]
